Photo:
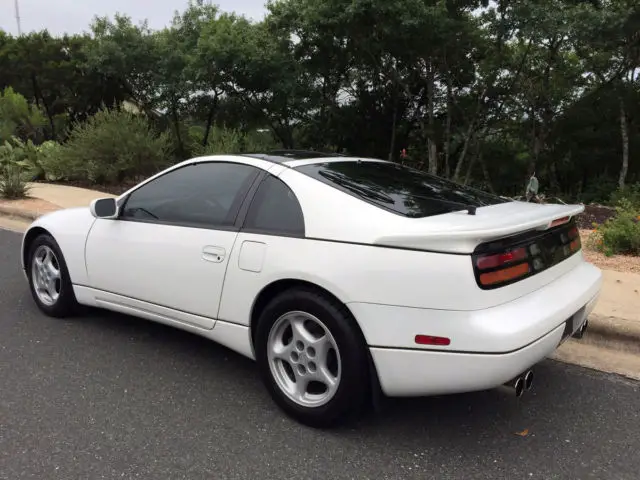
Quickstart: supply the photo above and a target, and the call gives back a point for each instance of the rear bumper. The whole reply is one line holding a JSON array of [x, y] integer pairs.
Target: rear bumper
[[416, 373], [488, 347]]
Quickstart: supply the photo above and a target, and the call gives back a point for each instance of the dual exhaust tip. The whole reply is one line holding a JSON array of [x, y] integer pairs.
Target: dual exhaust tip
[[581, 330], [520, 384]]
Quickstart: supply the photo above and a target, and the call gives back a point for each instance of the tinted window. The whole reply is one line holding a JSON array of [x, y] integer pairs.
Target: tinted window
[[275, 209], [204, 194], [397, 188]]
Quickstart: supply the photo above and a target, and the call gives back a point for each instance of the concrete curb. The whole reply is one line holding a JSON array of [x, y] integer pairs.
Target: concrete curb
[[613, 333], [23, 213]]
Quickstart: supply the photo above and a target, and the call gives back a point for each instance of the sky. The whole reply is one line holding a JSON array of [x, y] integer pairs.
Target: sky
[[74, 16]]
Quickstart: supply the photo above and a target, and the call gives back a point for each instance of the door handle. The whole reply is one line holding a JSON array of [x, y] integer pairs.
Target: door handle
[[213, 254]]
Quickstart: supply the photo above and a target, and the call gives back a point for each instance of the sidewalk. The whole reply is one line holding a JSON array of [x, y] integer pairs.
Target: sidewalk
[[45, 198], [614, 325]]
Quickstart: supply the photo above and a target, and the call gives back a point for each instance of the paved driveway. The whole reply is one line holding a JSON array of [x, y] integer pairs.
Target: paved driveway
[[110, 396]]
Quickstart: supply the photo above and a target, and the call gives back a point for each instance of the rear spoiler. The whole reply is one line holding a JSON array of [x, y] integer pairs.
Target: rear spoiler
[[465, 240]]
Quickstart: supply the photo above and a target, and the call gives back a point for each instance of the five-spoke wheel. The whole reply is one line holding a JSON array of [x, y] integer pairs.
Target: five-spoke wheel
[[304, 359], [49, 278], [45, 272], [312, 357]]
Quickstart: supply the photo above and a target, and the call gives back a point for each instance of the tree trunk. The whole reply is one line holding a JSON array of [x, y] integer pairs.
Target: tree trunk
[[447, 128], [485, 174], [472, 163], [47, 110], [431, 144], [176, 123], [392, 143], [467, 177], [624, 131], [463, 153], [210, 117]]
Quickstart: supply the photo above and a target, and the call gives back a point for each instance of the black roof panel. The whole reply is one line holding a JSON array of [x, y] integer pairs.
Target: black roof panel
[[280, 156]]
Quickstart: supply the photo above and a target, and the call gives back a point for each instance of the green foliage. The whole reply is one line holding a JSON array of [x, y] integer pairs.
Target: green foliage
[[13, 183], [112, 146], [620, 234], [630, 195], [52, 162], [231, 140], [476, 90], [18, 118]]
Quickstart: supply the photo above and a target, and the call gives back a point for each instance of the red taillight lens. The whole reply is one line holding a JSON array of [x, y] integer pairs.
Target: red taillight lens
[[493, 261], [573, 233], [575, 245], [504, 267]]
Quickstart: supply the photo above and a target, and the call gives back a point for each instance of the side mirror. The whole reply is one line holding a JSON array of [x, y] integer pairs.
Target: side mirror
[[104, 208]]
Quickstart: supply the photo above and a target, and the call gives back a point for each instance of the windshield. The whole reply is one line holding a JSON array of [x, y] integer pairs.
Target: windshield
[[397, 188]]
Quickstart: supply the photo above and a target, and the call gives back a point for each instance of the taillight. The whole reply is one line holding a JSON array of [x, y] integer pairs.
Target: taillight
[[504, 275], [493, 261], [509, 260], [576, 243], [503, 267]]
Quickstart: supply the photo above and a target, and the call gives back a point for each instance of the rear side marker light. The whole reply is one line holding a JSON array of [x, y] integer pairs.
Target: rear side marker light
[[431, 340], [505, 274]]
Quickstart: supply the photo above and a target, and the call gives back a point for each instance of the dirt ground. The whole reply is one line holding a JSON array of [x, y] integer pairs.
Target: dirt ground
[[620, 263]]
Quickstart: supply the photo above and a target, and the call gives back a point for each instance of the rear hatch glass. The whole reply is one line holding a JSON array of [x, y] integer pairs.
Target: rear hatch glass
[[397, 188]]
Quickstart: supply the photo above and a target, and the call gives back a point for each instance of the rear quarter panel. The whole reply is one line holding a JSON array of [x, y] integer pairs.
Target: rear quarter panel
[[368, 274], [69, 227]]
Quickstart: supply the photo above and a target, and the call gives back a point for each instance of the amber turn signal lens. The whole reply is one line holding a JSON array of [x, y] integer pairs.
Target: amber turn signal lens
[[504, 275]]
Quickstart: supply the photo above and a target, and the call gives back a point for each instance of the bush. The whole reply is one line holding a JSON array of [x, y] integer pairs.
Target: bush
[[13, 184], [631, 193], [231, 140], [620, 234], [37, 162], [110, 147], [18, 118], [50, 160]]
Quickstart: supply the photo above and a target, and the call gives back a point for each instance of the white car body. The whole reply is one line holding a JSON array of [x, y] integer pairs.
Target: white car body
[[399, 277]]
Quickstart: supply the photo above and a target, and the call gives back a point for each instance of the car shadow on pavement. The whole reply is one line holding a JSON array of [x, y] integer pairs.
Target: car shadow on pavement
[[485, 413]]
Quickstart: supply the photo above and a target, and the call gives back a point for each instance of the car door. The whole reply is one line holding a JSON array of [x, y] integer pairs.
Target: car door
[[272, 229], [168, 250]]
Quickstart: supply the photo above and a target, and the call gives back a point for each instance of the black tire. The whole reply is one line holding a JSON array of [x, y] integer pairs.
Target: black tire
[[66, 304], [353, 391]]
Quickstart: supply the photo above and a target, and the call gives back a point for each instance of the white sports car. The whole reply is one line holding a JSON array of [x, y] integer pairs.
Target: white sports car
[[342, 277]]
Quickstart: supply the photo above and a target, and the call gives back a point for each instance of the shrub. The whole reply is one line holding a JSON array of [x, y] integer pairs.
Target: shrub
[[37, 162], [18, 118], [53, 164], [620, 234], [631, 193], [230, 140], [113, 146], [13, 184]]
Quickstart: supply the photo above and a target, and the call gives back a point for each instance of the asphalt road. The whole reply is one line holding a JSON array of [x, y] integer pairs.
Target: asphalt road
[[110, 396]]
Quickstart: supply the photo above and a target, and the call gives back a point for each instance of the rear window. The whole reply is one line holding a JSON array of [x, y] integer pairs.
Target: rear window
[[397, 188]]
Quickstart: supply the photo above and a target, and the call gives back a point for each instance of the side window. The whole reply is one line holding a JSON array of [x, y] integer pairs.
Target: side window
[[198, 195], [275, 209]]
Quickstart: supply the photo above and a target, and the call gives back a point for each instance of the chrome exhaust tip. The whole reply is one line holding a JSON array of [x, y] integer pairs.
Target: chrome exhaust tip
[[581, 331], [515, 386], [528, 380]]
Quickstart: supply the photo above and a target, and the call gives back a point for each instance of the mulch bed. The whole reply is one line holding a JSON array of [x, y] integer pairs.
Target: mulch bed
[[594, 214]]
